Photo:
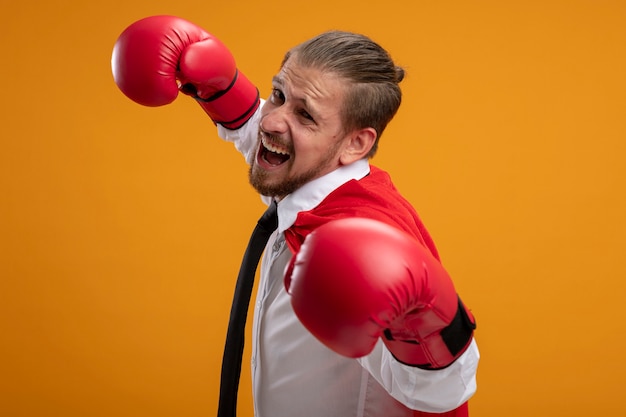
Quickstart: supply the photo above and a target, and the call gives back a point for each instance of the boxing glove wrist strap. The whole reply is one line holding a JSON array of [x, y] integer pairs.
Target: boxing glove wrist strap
[[456, 337], [459, 332], [228, 107]]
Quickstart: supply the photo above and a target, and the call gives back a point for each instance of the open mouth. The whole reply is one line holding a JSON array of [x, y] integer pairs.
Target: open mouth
[[273, 153]]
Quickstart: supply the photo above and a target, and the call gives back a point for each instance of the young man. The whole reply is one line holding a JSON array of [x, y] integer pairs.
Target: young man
[[354, 315]]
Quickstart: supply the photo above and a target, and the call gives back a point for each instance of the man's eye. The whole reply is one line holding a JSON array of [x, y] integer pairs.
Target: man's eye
[[277, 96], [306, 115]]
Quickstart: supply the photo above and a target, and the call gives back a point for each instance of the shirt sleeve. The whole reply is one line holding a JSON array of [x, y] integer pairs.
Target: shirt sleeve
[[435, 391], [245, 138]]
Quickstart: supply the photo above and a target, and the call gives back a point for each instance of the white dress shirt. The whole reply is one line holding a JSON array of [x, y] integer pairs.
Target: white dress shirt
[[293, 374]]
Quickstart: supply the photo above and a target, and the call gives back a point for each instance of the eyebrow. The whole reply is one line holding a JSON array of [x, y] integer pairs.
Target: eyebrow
[[311, 109]]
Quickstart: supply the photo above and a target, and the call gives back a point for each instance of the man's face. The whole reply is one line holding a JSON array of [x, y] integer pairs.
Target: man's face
[[300, 134]]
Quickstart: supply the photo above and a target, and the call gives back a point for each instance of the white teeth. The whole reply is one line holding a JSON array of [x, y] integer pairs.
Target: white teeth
[[273, 147]]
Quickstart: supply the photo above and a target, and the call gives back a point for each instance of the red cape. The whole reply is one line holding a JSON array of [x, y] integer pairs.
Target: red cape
[[374, 197]]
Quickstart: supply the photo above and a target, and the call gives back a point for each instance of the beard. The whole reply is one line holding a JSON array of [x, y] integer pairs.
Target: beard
[[259, 178]]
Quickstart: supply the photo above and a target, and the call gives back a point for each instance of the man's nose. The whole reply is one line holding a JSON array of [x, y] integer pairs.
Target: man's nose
[[275, 121]]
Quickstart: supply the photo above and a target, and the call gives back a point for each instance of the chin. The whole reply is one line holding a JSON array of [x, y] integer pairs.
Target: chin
[[259, 180]]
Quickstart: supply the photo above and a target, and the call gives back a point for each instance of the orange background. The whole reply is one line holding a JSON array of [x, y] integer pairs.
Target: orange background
[[122, 227]]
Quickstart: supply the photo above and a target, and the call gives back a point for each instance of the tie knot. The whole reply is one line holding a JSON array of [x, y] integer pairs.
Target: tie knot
[[269, 219]]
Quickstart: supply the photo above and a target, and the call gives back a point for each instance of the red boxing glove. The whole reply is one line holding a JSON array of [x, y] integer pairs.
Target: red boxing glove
[[355, 280], [157, 56]]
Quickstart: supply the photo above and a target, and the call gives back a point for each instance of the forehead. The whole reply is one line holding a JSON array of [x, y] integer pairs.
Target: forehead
[[310, 84]]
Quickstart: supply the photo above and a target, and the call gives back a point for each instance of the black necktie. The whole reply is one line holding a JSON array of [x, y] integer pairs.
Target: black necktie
[[233, 350]]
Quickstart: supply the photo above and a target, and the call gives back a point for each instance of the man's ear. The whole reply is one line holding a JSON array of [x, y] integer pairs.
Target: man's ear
[[358, 144]]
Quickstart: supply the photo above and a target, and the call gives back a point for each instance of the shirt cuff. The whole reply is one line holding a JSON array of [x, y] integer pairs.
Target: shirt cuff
[[433, 391]]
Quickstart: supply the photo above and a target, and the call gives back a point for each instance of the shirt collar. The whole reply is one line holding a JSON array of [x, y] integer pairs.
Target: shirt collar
[[312, 193]]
